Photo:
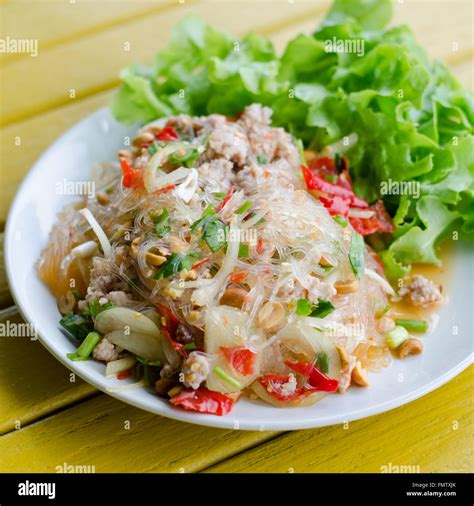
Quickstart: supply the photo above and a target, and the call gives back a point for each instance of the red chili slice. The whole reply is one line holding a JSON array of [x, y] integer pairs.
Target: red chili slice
[[131, 178], [274, 383], [241, 359], [204, 401], [316, 379], [226, 199], [167, 134]]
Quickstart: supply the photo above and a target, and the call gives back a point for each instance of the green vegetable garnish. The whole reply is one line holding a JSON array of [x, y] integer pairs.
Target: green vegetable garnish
[[244, 207], [220, 195], [232, 381], [176, 263], [153, 148], [396, 337], [85, 349], [356, 254], [185, 157], [383, 311], [212, 228], [340, 220], [94, 308], [162, 227], [77, 325], [190, 347], [420, 326], [243, 250], [319, 310], [322, 363], [262, 159]]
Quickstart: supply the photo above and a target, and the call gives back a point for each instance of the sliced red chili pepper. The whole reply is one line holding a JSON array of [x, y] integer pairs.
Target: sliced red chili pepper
[[379, 222], [131, 178], [260, 246], [273, 384], [167, 134], [316, 379], [125, 374], [238, 277], [204, 401], [169, 329], [165, 189], [241, 359], [336, 205], [226, 199], [201, 262]]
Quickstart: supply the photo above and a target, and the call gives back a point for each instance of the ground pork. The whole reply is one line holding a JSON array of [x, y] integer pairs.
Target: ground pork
[[217, 174], [227, 140], [195, 370], [105, 351], [421, 291]]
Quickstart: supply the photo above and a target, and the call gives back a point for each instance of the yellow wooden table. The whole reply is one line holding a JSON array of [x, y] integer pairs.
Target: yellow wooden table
[[47, 420]]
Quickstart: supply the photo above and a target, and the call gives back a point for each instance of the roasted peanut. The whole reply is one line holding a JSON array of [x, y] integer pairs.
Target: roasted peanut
[[271, 316], [102, 198], [155, 260], [343, 355], [359, 375], [346, 287], [143, 138], [411, 346], [234, 297]]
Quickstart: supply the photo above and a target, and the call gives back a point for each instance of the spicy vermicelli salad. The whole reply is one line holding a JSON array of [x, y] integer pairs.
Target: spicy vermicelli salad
[[218, 259]]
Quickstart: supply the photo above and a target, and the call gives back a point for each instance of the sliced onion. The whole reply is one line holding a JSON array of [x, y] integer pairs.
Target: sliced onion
[[187, 189], [119, 366], [98, 230], [85, 250], [207, 294], [380, 280]]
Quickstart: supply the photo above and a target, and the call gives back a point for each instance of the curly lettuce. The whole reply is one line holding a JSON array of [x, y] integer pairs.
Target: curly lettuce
[[413, 120]]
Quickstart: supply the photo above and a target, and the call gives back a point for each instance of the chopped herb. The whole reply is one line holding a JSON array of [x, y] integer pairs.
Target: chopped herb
[[220, 195], [340, 220], [77, 325], [162, 227], [232, 381], [262, 159], [319, 310], [185, 157], [356, 254], [244, 207], [176, 263], [85, 349], [190, 347], [213, 229], [413, 325], [153, 148], [383, 311], [322, 362], [144, 361], [243, 250], [396, 337], [94, 308]]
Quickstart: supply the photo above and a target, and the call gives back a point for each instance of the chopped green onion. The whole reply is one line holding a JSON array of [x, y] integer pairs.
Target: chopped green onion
[[396, 337], [85, 349], [190, 347], [244, 207], [232, 381], [262, 159], [383, 311], [340, 220], [413, 325], [153, 148], [94, 308], [77, 325], [243, 250], [161, 223], [219, 195], [322, 363], [184, 156], [356, 254], [303, 307]]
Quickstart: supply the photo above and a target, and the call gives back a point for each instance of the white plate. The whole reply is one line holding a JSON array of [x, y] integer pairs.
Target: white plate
[[34, 211]]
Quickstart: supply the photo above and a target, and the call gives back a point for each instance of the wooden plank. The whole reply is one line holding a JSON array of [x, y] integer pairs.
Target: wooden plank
[[96, 433], [89, 65], [5, 297], [32, 382], [52, 23], [434, 433]]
